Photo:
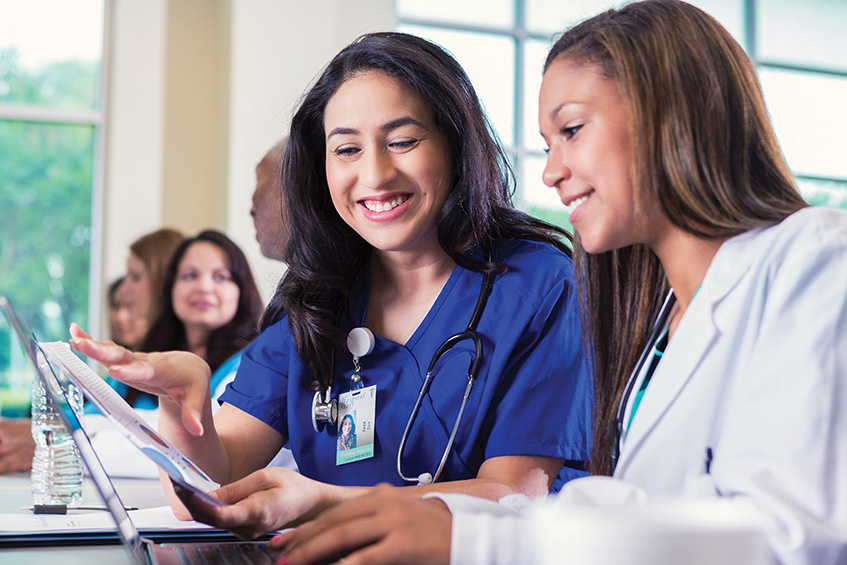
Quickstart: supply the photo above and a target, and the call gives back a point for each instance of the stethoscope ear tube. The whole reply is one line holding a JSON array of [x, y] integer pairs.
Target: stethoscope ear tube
[[661, 320]]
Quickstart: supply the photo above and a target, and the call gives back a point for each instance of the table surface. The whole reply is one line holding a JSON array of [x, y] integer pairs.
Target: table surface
[[15, 494]]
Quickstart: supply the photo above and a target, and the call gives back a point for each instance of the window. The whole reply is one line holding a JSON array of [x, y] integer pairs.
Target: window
[[800, 49], [50, 129]]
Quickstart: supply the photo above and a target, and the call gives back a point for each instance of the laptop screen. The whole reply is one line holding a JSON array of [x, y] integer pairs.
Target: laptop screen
[[126, 530]]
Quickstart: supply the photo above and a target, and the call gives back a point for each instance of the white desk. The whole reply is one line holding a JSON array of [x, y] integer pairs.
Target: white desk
[[15, 493]]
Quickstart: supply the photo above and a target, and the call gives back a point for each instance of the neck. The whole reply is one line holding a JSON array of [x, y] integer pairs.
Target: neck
[[409, 273], [685, 259], [197, 340], [403, 289]]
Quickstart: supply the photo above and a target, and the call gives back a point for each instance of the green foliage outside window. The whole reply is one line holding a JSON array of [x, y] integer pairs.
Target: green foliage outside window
[[45, 208]]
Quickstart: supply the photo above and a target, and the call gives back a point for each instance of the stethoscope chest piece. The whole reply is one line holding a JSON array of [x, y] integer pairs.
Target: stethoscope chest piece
[[360, 342], [324, 410]]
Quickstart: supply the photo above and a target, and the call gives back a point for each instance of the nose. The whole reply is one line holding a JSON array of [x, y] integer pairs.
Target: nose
[[555, 170], [377, 169], [204, 283]]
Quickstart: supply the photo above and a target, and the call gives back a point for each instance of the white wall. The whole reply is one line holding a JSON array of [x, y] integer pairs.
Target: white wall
[[198, 91], [278, 48]]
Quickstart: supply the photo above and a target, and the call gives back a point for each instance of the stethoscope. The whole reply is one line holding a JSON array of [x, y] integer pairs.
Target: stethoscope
[[658, 327], [325, 408]]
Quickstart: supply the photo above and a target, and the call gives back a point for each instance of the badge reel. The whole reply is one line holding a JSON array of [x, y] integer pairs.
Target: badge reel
[[360, 342]]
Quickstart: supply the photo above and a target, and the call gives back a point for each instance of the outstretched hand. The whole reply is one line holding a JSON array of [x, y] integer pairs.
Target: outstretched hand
[[176, 376], [385, 526]]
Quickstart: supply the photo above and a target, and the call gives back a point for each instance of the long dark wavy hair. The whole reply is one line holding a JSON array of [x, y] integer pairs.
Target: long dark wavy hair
[[704, 149], [324, 254], [168, 332]]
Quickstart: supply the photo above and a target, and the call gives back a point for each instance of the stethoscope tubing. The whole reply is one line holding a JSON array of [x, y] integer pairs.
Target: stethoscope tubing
[[473, 371], [661, 321]]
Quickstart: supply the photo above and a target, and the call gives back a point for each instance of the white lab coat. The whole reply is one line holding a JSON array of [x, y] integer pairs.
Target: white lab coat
[[757, 372]]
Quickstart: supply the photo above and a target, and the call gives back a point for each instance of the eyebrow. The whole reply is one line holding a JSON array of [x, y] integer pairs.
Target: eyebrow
[[555, 111], [388, 126]]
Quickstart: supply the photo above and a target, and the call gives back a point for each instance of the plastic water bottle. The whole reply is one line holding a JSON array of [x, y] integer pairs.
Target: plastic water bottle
[[56, 467]]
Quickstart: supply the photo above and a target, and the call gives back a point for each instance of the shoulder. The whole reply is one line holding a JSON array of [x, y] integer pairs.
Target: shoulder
[[805, 229], [273, 340], [534, 269]]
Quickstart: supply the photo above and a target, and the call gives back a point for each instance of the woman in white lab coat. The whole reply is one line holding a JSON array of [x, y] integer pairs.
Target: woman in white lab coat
[[661, 147]]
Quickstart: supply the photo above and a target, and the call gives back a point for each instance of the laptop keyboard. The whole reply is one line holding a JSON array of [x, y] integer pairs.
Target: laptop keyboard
[[228, 553]]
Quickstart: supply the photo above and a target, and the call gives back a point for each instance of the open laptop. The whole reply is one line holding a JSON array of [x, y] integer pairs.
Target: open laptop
[[141, 550]]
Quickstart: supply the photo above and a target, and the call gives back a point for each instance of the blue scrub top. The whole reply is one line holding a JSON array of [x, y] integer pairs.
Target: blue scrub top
[[532, 396]]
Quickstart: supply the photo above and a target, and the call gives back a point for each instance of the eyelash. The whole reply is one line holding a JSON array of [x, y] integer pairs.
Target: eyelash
[[405, 144], [342, 151], [569, 132], [348, 150]]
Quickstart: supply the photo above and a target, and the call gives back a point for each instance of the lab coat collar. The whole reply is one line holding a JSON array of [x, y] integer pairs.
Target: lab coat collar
[[693, 339]]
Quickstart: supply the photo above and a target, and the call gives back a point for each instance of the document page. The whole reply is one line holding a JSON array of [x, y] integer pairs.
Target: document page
[[125, 419]]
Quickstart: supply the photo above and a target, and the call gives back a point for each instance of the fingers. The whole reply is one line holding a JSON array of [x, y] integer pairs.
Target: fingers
[[329, 546], [359, 509], [281, 540], [105, 352], [78, 332], [263, 479]]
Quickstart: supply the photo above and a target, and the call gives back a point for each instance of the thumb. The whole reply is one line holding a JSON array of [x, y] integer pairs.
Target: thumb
[[237, 491], [192, 420]]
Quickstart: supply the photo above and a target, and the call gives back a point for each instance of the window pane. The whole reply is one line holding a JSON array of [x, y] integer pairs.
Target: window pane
[[832, 194], [499, 13], [554, 16], [50, 52], [730, 14], [809, 118], [494, 84], [539, 199], [812, 32], [534, 56], [44, 227]]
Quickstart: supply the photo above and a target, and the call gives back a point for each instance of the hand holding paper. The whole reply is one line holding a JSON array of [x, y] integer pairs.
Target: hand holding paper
[[178, 377]]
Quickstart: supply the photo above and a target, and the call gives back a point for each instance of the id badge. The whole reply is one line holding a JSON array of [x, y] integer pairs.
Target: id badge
[[356, 414]]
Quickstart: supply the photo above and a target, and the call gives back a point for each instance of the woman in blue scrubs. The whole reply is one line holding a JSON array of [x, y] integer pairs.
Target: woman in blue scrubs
[[398, 200]]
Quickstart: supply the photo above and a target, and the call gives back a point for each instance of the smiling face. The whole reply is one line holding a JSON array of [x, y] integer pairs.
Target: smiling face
[[387, 163], [584, 122], [204, 295]]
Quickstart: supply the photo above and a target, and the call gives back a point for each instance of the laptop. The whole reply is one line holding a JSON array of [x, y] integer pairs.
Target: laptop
[[142, 551]]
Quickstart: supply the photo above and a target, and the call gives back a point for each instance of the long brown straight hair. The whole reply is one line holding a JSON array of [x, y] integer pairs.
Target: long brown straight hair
[[704, 149]]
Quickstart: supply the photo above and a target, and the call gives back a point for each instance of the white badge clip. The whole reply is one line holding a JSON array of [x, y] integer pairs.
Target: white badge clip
[[360, 342]]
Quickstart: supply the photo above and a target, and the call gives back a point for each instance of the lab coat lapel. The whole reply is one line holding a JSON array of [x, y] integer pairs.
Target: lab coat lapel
[[695, 336]]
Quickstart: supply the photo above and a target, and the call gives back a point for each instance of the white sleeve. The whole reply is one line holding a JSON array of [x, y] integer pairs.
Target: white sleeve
[[507, 531], [489, 532]]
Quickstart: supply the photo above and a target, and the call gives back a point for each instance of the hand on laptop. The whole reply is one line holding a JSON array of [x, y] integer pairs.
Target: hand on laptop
[[265, 501], [385, 526], [179, 377]]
